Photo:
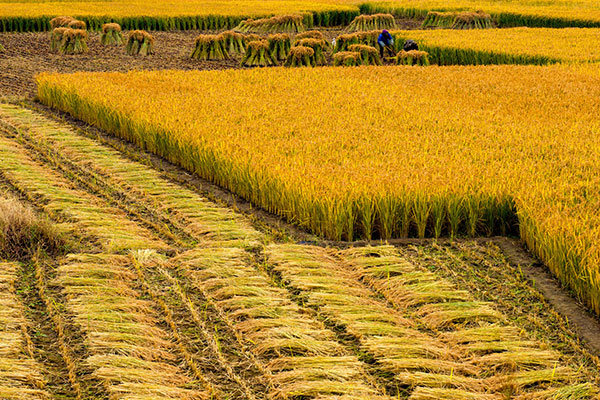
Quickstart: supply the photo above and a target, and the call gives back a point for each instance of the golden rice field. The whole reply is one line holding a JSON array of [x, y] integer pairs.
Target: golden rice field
[[558, 13], [380, 152], [572, 45]]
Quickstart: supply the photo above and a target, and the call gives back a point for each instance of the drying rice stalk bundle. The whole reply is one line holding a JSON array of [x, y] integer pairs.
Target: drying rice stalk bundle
[[472, 20], [140, 43], [413, 57], [56, 38], [347, 59], [279, 46], [301, 56], [372, 22], [112, 35], [76, 24], [367, 38], [257, 54], [458, 20], [74, 41], [282, 23], [309, 35], [61, 22], [210, 47], [251, 37], [233, 42], [319, 47], [369, 54]]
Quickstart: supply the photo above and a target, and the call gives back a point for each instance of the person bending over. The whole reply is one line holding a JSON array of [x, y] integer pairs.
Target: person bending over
[[385, 41]]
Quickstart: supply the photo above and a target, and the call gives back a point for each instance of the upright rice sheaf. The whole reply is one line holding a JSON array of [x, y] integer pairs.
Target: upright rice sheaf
[[140, 43], [112, 35]]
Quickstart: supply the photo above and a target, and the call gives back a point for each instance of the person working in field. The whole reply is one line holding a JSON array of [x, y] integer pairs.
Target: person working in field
[[385, 41]]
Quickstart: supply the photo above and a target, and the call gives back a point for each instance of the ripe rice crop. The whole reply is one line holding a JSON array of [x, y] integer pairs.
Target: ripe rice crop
[[24, 16], [506, 46], [451, 151], [533, 13]]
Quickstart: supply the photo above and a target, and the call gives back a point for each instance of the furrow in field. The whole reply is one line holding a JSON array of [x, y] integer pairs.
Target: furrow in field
[[480, 335], [301, 358], [129, 352], [61, 201], [384, 333], [20, 374], [186, 210], [212, 346]]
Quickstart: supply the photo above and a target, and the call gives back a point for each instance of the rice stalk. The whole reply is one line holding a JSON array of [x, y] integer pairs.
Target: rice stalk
[[112, 35], [140, 43]]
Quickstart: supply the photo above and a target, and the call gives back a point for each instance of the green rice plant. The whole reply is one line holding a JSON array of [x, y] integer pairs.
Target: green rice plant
[[56, 38], [234, 42], [210, 47], [279, 46], [347, 59], [74, 41], [369, 55], [61, 22], [140, 43], [258, 54], [112, 35], [301, 56], [412, 57], [279, 24], [472, 20], [319, 46], [364, 23]]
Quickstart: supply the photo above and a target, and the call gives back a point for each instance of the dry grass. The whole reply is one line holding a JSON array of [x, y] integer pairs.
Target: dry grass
[[23, 233]]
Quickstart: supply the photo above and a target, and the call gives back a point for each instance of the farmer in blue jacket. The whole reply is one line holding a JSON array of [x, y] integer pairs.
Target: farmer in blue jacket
[[385, 41]]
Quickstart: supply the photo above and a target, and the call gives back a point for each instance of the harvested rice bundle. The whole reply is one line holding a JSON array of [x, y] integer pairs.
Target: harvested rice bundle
[[140, 43], [438, 19], [309, 35], [74, 41], [257, 54], [301, 56], [282, 23], [343, 41], [347, 59], [472, 20], [372, 22], [319, 46], [368, 38], [413, 57], [76, 24], [233, 42], [61, 22], [112, 35], [369, 54], [210, 47], [56, 38], [279, 46]]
